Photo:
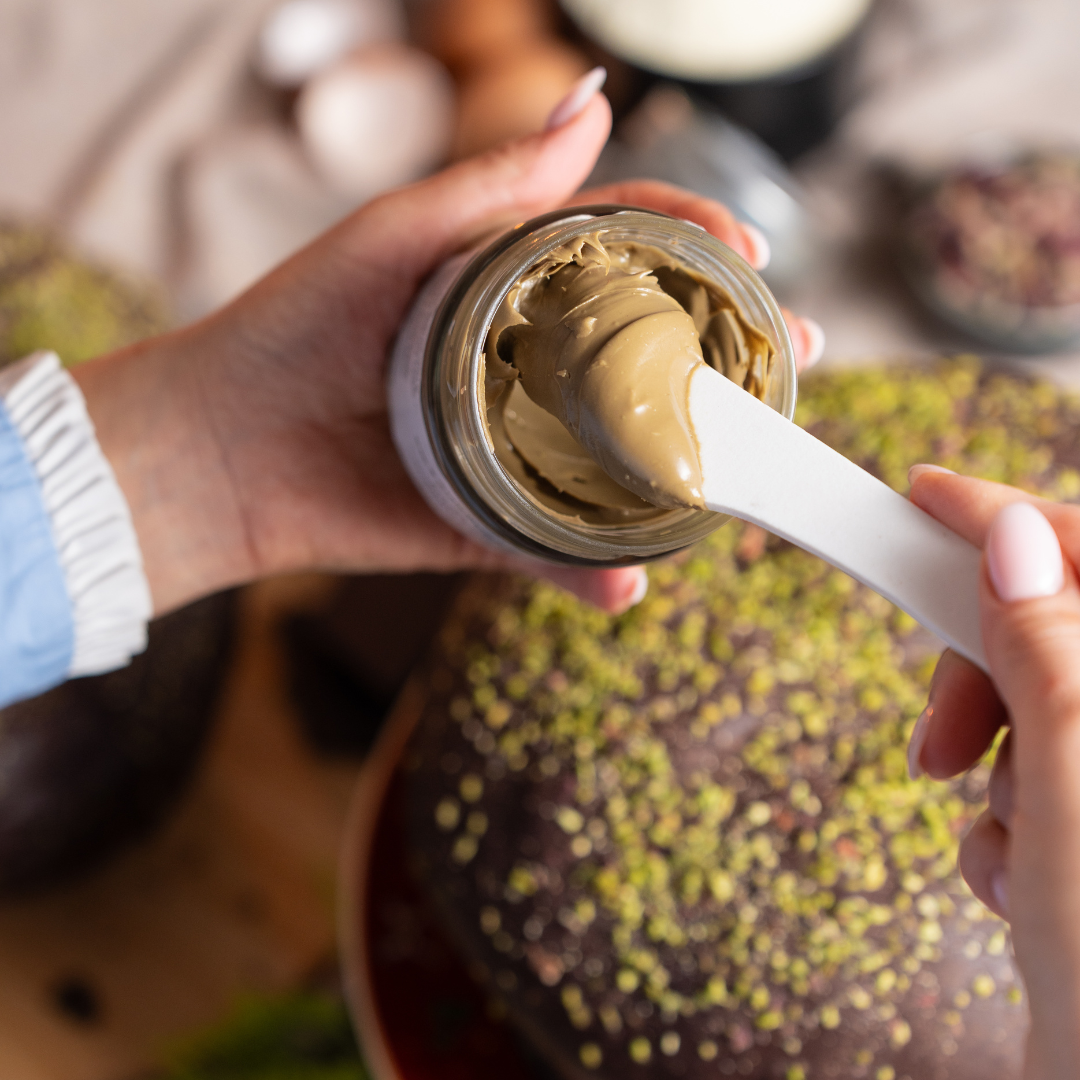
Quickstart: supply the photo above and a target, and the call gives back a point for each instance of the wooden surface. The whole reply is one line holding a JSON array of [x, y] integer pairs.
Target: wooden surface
[[235, 894]]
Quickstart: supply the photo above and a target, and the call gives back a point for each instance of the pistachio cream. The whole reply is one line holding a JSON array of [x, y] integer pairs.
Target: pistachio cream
[[587, 377]]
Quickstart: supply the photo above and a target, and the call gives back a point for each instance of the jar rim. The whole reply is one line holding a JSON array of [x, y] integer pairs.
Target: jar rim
[[454, 371]]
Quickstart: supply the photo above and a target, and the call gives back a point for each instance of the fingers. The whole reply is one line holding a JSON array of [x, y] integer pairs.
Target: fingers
[[959, 723], [1001, 783], [712, 216], [968, 506], [1031, 625], [1031, 628], [983, 858], [613, 591], [576, 98], [1022, 856], [964, 504], [807, 340], [412, 230]]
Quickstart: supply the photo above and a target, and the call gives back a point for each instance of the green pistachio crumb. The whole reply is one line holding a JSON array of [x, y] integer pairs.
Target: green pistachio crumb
[[590, 1055], [447, 814]]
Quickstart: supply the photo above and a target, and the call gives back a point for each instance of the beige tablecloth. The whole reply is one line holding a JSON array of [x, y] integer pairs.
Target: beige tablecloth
[[136, 125]]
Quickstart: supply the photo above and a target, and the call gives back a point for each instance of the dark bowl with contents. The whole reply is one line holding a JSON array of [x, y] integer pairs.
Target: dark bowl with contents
[[995, 251], [778, 69], [97, 764]]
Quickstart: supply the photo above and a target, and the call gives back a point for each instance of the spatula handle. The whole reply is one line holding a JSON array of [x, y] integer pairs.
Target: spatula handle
[[760, 467]]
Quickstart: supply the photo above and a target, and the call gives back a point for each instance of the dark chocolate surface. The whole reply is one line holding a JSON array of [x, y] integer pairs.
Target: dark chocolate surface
[[683, 842]]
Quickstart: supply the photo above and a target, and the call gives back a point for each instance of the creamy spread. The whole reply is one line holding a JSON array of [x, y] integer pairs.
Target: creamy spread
[[587, 373]]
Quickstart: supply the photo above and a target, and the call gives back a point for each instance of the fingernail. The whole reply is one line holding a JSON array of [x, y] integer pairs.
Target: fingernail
[[641, 587], [760, 249], [999, 886], [919, 470], [816, 342], [1023, 554], [577, 97], [917, 742]]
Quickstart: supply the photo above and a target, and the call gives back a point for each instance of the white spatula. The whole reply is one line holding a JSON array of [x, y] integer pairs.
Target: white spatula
[[760, 467]]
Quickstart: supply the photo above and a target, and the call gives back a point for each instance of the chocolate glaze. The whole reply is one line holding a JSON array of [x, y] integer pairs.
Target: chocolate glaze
[[587, 372]]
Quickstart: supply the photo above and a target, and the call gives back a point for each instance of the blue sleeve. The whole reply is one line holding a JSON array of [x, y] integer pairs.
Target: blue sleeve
[[37, 631]]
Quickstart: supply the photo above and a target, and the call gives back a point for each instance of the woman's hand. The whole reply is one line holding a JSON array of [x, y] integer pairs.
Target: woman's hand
[[1022, 856], [257, 441]]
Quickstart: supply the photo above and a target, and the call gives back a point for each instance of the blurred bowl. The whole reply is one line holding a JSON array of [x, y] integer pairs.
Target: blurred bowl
[[778, 68], [993, 249], [97, 764], [670, 138], [711, 41]]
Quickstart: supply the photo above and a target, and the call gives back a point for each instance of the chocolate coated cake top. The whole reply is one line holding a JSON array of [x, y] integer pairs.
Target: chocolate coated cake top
[[683, 842]]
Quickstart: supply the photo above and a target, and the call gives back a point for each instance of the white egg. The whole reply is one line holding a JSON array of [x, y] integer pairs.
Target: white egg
[[301, 37], [377, 119]]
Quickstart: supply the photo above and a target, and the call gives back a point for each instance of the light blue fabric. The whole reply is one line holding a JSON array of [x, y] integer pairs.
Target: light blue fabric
[[37, 632]]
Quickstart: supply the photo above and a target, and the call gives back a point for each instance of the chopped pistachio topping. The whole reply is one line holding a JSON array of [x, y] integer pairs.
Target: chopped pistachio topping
[[591, 1055], [708, 797]]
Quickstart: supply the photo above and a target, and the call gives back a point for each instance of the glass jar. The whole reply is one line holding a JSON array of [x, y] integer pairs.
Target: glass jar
[[437, 369]]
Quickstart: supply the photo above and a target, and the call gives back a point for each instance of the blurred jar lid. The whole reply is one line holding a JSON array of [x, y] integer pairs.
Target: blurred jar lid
[[667, 137], [717, 40]]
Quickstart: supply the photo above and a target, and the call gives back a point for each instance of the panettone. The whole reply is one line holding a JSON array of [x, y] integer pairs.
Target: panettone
[[683, 842]]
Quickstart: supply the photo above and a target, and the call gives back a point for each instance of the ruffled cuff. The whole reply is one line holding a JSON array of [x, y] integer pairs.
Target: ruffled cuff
[[91, 524]]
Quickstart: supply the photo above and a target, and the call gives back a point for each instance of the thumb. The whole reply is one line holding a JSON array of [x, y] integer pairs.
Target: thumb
[[415, 228], [1031, 629]]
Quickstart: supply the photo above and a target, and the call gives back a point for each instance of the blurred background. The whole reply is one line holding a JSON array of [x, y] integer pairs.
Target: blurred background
[[913, 164]]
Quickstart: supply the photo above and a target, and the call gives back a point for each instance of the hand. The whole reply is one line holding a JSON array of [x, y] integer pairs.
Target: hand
[[257, 441], [1022, 856]]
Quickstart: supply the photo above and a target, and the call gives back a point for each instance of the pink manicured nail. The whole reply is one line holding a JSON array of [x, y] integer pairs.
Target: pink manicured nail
[[641, 587], [920, 470], [816, 346], [999, 886], [917, 742], [577, 97], [760, 250], [1023, 554]]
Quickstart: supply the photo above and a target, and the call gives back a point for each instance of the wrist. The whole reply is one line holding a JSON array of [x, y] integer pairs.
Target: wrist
[[76, 599], [148, 405]]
